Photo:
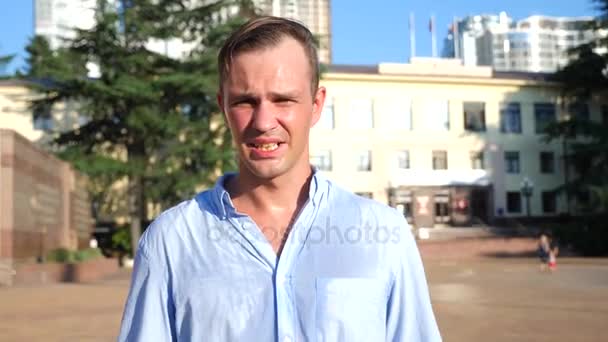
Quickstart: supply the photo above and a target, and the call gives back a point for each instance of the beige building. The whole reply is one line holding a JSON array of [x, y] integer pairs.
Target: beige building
[[16, 113], [444, 143]]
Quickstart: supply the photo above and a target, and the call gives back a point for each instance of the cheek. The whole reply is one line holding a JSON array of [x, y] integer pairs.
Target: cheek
[[298, 120], [237, 123]]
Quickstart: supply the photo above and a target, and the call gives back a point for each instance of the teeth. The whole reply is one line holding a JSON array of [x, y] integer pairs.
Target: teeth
[[267, 147]]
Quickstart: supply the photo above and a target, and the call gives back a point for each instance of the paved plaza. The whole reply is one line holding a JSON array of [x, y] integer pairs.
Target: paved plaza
[[475, 300]]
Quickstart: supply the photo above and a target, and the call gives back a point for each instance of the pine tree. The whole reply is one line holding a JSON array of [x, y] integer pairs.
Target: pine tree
[[4, 62], [147, 118], [586, 141]]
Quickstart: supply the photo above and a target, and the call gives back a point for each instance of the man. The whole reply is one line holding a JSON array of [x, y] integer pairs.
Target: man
[[276, 252]]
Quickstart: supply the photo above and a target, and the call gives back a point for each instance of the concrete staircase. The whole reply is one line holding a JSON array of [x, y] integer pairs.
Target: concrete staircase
[[6, 272]]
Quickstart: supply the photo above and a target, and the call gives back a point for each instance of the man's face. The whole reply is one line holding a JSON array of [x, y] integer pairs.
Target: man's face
[[269, 107]]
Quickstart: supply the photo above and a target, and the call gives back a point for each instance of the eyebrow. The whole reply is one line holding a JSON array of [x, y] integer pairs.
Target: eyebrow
[[235, 96], [287, 94]]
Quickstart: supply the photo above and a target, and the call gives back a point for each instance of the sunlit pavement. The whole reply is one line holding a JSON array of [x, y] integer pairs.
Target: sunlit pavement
[[511, 300], [474, 300]]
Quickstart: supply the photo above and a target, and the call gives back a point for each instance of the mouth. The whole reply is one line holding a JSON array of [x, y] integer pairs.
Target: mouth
[[268, 147]]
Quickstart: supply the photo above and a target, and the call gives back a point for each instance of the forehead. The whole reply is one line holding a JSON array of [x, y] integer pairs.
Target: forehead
[[286, 59]]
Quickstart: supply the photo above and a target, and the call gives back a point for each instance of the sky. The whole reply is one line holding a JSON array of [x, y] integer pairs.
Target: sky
[[364, 31]]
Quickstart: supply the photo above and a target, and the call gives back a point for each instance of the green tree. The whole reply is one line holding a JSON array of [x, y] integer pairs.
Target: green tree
[[146, 117], [585, 141], [5, 60], [43, 63]]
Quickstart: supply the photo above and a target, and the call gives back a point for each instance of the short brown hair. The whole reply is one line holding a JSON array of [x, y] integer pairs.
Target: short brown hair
[[268, 31]]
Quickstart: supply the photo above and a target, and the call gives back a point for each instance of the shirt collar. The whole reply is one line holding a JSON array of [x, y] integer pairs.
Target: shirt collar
[[225, 209]]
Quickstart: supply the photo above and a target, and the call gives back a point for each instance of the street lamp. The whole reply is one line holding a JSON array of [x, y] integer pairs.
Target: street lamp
[[527, 188]]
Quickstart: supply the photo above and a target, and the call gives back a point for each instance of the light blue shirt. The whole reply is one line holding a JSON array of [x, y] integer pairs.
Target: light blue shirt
[[349, 271]]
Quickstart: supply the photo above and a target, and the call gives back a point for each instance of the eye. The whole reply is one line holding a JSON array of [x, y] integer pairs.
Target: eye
[[243, 103], [284, 101]]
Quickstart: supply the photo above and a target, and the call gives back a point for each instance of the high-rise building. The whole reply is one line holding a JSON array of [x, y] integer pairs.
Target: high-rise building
[[315, 14], [539, 43], [534, 44], [465, 39], [55, 19]]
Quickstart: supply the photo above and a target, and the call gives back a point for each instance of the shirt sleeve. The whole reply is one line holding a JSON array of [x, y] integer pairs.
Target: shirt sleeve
[[149, 310], [409, 313]]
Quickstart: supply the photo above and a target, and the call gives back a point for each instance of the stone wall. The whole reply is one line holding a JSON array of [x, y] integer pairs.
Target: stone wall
[[43, 202]]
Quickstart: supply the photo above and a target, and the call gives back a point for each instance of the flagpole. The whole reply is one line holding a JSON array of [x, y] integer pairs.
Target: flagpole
[[433, 38], [456, 38], [412, 37]]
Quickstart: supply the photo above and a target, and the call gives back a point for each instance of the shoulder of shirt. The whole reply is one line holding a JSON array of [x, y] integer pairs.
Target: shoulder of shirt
[[170, 221]]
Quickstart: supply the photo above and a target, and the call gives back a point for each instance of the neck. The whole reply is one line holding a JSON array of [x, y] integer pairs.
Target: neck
[[285, 192]]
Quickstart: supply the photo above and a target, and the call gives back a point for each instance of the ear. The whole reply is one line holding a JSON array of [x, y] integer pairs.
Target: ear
[[220, 100], [317, 105]]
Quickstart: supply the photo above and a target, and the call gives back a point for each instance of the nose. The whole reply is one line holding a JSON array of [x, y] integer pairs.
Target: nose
[[264, 117]]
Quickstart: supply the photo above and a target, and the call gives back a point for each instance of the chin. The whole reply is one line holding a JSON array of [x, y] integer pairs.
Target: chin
[[266, 170]]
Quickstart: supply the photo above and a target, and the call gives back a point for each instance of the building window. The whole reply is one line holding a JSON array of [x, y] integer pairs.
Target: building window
[[327, 115], [477, 160], [583, 198], [401, 115], [436, 115], [442, 209], [510, 117], [403, 159], [579, 111], [362, 114], [365, 194], [547, 162], [405, 208], [440, 160], [364, 161], [513, 202], [43, 119], [474, 116], [321, 160], [511, 162], [544, 113], [549, 201]]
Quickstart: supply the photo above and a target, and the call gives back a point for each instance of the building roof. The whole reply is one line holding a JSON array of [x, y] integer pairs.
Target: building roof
[[377, 70], [13, 82]]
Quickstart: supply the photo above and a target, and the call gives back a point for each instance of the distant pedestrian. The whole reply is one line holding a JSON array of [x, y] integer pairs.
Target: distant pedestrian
[[543, 251], [553, 252], [547, 252]]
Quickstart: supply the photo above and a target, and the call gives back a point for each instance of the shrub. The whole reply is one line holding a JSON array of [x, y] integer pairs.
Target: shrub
[[62, 255], [588, 236], [87, 254], [121, 241]]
